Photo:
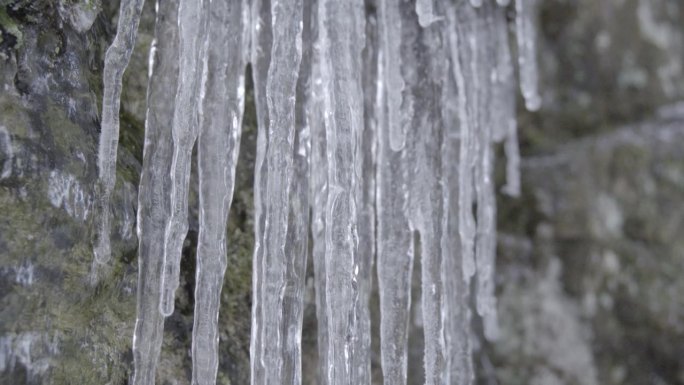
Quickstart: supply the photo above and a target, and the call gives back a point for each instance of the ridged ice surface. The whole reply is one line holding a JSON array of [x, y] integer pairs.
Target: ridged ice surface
[[192, 22], [378, 125], [281, 174]]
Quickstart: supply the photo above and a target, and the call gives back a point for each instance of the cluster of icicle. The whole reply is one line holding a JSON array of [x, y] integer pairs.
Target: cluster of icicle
[[377, 123]]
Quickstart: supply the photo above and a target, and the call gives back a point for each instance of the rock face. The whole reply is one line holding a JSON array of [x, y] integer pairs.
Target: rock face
[[590, 289], [589, 258]]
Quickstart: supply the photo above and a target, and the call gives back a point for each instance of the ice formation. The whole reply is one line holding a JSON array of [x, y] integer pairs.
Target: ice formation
[[377, 126]]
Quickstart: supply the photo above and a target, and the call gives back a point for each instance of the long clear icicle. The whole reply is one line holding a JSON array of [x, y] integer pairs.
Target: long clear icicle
[[428, 204], [394, 240], [192, 24], [366, 151], [220, 120], [260, 53], [484, 56], [297, 237], [280, 254], [154, 191], [116, 60], [526, 32], [341, 38]]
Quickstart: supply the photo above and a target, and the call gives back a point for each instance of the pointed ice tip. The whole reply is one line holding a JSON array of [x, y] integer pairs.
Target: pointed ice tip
[[511, 191], [533, 103], [476, 3], [166, 306], [491, 327], [102, 251]]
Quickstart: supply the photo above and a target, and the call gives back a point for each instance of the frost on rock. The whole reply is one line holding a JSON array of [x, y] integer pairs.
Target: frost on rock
[[377, 121]]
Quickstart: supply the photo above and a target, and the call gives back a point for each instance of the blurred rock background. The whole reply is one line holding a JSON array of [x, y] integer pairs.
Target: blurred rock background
[[590, 257]]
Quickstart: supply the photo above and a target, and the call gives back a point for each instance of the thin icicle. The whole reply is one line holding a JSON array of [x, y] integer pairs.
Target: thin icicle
[[505, 124], [503, 93], [341, 39], [512, 151], [399, 101], [280, 256], [486, 234], [526, 32], [116, 61], [154, 191], [220, 121], [466, 227], [192, 23], [260, 53], [319, 194]]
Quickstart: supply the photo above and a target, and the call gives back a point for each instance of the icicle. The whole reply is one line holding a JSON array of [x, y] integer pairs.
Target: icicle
[[220, 120], [466, 227], [260, 53], [366, 151], [395, 241], [503, 109], [503, 3], [319, 193], [154, 191], [297, 238], [192, 22], [428, 204], [486, 233], [525, 16], [512, 187], [116, 61], [280, 256], [341, 38], [319, 197], [399, 101], [457, 324]]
